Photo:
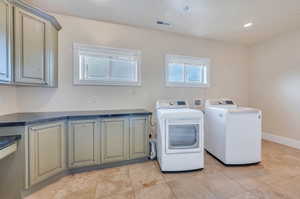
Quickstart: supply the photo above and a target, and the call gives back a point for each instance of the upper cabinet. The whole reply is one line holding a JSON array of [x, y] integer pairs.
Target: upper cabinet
[[35, 48], [5, 41]]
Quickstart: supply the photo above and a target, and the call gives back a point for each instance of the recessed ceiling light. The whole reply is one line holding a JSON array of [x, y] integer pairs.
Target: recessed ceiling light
[[247, 25]]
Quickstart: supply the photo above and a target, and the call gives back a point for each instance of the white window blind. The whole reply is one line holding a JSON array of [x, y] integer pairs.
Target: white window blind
[[96, 65], [183, 71]]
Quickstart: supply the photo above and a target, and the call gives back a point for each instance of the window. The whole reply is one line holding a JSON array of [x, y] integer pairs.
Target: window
[[96, 65], [185, 71]]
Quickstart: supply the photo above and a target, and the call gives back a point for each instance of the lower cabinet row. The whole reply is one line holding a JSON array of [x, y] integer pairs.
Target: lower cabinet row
[[53, 147]]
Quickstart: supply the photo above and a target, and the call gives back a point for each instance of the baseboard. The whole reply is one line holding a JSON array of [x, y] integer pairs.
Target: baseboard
[[282, 140]]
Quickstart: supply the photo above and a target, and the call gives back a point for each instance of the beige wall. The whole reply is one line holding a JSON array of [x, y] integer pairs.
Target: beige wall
[[275, 84], [229, 69], [271, 83], [8, 100]]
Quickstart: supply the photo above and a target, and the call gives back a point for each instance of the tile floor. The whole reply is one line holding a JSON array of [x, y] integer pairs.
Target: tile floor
[[277, 177]]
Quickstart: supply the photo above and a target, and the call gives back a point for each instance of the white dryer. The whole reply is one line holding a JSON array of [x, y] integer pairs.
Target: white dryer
[[233, 134], [179, 136]]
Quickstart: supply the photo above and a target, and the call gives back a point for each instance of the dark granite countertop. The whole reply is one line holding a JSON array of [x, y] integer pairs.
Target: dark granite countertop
[[23, 119], [6, 141]]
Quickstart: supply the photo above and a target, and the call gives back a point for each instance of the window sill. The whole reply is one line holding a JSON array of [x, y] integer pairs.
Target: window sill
[[103, 83], [186, 85]]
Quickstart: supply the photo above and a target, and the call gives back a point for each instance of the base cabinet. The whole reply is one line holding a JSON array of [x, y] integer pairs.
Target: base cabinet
[[51, 149], [114, 140], [46, 151], [84, 142], [139, 137]]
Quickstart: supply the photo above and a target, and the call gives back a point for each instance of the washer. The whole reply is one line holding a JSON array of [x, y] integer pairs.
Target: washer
[[233, 134], [179, 136]]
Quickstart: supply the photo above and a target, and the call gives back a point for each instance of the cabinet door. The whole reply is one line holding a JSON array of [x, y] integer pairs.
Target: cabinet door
[[139, 138], [84, 142], [35, 49], [114, 140], [46, 151], [5, 41]]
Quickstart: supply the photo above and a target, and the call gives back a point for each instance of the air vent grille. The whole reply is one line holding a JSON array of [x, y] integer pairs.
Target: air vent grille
[[163, 23]]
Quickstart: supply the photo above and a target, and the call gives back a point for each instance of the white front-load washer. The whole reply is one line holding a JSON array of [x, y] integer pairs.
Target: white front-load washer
[[232, 134], [179, 136]]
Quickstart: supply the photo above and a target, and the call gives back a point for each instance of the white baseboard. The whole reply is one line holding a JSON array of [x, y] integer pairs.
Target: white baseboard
[[282, 140]]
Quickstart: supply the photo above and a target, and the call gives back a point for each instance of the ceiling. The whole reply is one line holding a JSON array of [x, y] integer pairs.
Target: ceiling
[[214, 19]]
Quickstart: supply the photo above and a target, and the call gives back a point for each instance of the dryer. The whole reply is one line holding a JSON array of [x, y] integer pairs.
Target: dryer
[[233, 134], [179, 136]]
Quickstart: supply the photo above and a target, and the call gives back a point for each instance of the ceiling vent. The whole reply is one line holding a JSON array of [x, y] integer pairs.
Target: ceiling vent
[[187, 9], [163, 23]]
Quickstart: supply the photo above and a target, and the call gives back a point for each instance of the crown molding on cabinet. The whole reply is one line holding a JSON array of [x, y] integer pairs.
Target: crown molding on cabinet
[[38, 12]]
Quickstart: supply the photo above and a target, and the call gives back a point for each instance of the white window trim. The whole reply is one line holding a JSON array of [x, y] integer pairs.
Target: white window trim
[[189, 59], [77, 47]]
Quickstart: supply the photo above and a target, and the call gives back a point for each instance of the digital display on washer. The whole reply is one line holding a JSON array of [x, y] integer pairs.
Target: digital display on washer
[[181, 103], [228, 102]]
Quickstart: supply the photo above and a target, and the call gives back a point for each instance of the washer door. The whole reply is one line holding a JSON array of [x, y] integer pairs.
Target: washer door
[[183, 136]]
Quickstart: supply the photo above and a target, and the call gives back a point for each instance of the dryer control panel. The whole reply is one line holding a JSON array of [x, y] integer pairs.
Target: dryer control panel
[[220, 102], [171, 104]]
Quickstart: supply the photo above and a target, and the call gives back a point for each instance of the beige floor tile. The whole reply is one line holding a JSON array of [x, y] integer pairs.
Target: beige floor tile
[[190, 188], [112, 185], [276, 177], [82, 185], [145, 175], [159, 191], [87, 193], [179, 175], [219, 184], [124, 170], [256, 194], [40, 194], [212, 168], [49, 192], [128, 195], [247, 176], [73, 186], [210, 160], [80, 181], [291, 188], [263, 192]]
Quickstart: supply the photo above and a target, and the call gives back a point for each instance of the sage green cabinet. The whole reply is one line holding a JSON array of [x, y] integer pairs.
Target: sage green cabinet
[[47, 151], [139, 137], [35, 49], [84, 143], [5, 41], [114, 140]]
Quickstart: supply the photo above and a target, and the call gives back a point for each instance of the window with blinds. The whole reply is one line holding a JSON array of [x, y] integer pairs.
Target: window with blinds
[[96, 65], [183, 71]]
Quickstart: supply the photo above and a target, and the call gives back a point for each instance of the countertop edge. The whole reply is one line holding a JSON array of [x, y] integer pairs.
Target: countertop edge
[[69, 117]]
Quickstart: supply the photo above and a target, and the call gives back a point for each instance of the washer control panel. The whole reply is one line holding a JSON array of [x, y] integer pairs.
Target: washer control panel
[[220, 102], [170, 104]]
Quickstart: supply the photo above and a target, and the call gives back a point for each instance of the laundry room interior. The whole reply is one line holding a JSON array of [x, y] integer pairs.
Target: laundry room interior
[[164, 99]]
